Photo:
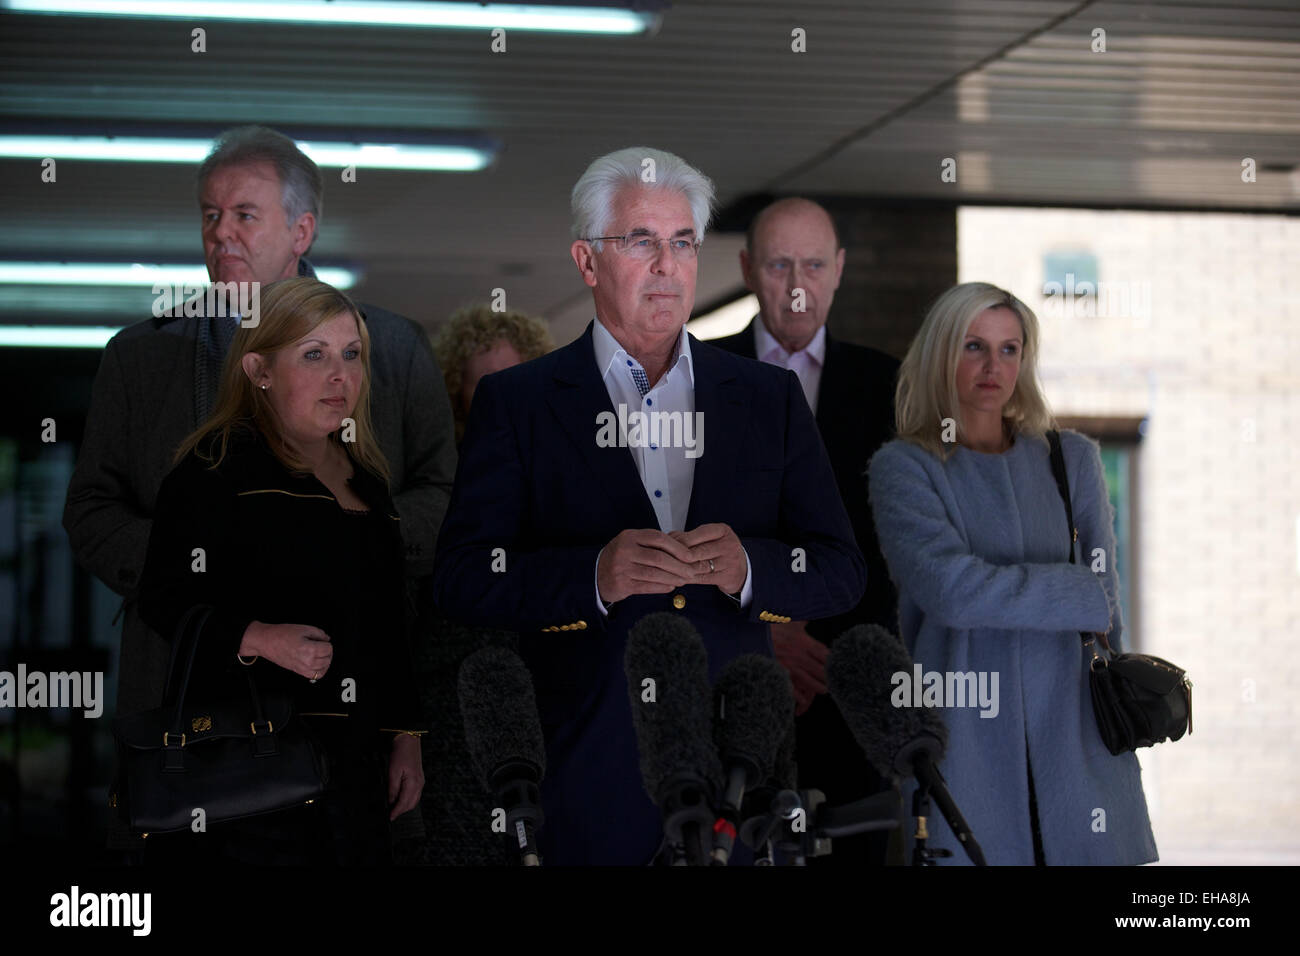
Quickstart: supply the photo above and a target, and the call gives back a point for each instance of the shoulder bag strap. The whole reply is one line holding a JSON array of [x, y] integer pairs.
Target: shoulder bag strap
[[185, 645], [1063, 486]]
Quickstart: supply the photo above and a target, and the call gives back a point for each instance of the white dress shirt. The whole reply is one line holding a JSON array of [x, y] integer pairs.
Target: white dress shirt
[[807, 363], [668, 473]]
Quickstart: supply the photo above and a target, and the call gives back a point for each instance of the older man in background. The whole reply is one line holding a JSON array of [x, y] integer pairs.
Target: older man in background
[[793, 262]]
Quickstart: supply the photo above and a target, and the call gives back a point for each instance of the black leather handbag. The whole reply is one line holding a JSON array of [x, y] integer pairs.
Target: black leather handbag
[[232, 758], [1138, 699]]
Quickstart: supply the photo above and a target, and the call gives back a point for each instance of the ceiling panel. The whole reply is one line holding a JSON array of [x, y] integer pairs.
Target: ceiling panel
[[1009, 88]]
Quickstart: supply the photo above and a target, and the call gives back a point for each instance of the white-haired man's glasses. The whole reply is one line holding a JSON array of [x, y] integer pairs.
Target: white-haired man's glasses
[[639, 245]]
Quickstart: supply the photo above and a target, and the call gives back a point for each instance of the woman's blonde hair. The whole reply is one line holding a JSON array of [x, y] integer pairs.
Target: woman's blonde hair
[[927, 380], [290, 309], [476, 328]]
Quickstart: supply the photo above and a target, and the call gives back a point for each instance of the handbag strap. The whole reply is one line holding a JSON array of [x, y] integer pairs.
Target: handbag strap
[[1063, 486], [185, 646]]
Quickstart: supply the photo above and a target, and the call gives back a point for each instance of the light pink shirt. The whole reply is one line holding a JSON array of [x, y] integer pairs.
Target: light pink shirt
[[807, 363]]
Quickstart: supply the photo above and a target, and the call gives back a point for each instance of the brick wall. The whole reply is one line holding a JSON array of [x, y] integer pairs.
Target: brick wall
[[898, 259], [1215, 367]]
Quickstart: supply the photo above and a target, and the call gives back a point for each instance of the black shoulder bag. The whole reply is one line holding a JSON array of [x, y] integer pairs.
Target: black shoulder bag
[[1138, 699], [231, 758]]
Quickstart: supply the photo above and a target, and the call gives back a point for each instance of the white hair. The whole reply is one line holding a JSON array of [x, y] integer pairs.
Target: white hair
[[592, 201]]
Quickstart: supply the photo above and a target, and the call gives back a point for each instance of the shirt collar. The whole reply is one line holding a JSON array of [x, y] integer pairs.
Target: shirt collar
[[608, 351], [764, 343]]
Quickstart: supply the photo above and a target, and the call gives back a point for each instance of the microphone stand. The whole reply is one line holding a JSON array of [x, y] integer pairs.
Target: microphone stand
[[778, 843], [928, 778], [922, 855]]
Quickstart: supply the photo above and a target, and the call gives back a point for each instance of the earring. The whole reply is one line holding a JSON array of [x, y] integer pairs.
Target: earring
[[265, 387]]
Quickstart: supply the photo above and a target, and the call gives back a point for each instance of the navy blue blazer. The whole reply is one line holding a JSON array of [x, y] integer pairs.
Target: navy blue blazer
[[533, 482]]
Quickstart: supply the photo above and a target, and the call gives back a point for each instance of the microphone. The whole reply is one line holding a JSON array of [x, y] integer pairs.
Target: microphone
[[902, 741], [770, 808], [785, 826], [754, 710], [668, 688], [785, 772], [504, 736]]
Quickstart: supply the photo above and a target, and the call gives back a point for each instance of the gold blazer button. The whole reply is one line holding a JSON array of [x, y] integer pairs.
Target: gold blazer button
[[679, 601]]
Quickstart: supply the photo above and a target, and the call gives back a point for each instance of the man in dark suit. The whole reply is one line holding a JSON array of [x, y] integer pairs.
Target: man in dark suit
[[793, 261], [260, 198], [572, 519]]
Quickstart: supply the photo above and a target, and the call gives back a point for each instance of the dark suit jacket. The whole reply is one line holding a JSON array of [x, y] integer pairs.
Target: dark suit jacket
[[533, 481], [143, 405], [855, 415]]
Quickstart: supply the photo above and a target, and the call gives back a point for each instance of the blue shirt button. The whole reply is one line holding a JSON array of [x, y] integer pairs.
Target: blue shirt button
[[658, 493], [654, 447], [648, 402], [629, 363]]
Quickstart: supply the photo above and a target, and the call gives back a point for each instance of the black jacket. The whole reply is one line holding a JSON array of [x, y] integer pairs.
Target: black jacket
[[855, 414], [278, 548]]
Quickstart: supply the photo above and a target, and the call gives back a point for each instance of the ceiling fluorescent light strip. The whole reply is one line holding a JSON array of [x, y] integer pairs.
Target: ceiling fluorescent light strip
[[133, 274], [158, 149], [455, 16], [56, 336]]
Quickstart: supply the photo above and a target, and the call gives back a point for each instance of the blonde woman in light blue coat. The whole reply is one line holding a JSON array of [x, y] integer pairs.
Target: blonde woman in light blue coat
[[974, 531]]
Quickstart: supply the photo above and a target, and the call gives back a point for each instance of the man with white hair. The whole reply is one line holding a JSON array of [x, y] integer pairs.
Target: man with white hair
[[636, 470]]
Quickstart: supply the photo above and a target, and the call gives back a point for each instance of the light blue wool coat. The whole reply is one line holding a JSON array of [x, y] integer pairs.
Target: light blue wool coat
[[977, 546]]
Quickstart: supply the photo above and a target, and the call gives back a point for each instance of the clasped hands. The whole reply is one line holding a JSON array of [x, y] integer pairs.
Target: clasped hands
[[648, 561]]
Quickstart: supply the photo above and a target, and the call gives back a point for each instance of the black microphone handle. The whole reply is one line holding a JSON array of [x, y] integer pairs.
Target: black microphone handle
[[728, 822], [687, 832], [525, 836], [688, 818], [516, 791], [929, 777]]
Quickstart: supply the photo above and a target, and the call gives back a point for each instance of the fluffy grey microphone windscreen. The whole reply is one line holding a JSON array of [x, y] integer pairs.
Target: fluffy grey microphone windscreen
[[667, 672], [859, 675], [785, 772], [754, 705], [499, 710]]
